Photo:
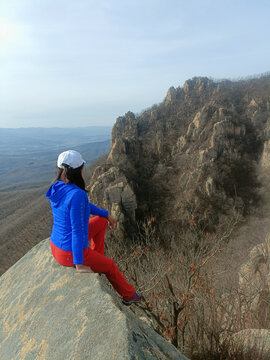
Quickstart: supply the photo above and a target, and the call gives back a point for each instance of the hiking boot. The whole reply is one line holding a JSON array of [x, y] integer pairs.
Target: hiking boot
[[135, 298]]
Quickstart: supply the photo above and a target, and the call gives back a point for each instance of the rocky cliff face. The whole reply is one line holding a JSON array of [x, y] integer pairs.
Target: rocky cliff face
[[47, 311], [198, 151]]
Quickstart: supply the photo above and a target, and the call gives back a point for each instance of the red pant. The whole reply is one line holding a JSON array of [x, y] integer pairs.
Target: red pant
[[95, 258]]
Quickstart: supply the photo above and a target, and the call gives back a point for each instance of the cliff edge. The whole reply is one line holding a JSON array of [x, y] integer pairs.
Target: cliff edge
[[47, 311]]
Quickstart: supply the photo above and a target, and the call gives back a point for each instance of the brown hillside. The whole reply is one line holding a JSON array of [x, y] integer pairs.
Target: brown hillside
[[25, 220]]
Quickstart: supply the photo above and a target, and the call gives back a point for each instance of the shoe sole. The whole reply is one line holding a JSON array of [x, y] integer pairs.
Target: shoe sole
[[128, 303]]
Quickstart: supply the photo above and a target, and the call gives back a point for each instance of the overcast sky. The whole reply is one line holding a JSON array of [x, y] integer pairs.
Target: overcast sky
[[83, 62]]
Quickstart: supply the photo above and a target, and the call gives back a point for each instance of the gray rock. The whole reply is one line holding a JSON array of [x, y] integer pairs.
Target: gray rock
[[252, 340], [209, 186], [171, 95], [114, 193], [254, 279], [129, 201], [265, 162], [47, 311]]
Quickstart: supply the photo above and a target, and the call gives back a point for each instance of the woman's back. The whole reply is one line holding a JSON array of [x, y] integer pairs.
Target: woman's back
[[71, 211]]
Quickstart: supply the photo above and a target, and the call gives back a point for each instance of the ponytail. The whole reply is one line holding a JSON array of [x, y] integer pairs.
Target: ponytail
[[74, 176]]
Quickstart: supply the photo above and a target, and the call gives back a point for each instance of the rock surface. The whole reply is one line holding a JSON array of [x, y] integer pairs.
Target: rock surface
[[49, 312]]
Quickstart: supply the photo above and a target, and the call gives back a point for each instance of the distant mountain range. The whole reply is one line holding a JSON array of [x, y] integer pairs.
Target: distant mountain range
[[25, 140]]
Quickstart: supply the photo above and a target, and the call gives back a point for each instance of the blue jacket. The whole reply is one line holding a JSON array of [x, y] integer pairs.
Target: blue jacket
[[71, 211]]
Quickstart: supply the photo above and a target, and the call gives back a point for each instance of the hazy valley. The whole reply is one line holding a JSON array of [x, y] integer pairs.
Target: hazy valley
[[28, 155]]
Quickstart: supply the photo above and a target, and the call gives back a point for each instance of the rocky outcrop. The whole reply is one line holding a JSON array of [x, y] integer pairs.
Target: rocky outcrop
[[47, 311], [171, 96], [112, 190], [244, 312], [198, 150], [254, 281]]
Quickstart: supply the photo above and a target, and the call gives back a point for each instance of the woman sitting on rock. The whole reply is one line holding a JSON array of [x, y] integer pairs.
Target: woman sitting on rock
[[72, 228]]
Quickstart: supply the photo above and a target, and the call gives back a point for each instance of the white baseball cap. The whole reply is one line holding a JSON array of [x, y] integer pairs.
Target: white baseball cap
[[71, 158]]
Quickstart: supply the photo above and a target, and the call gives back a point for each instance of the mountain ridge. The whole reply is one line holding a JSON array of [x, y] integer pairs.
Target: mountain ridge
[[200, 148]]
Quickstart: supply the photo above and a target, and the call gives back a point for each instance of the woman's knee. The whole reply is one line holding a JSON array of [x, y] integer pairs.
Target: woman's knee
[[99, 221], [101, 264], [104, 221]]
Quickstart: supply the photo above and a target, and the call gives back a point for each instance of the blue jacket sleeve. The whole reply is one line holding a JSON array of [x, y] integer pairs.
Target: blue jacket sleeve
[[94, 210], [77, 220]]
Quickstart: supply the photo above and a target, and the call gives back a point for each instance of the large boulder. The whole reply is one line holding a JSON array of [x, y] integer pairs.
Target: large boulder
[[47, 311]]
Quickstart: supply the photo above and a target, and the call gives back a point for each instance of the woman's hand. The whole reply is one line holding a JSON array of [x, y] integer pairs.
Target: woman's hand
[[112, 222], [83, 269]]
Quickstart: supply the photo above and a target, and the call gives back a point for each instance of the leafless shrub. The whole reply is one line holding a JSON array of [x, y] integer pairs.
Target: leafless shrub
[[180, 297]]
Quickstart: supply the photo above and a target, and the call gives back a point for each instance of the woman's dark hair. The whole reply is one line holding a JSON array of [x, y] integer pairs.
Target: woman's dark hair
[[74, 176]]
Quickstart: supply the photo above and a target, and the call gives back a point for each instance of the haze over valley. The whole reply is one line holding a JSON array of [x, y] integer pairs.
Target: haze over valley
[[28, 155]]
